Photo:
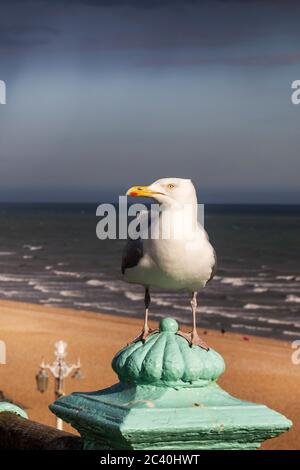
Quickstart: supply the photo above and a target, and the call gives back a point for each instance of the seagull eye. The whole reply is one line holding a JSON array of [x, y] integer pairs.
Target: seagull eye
[[170, 186]]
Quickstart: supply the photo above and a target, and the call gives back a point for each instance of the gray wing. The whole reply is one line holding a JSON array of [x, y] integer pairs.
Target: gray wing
[[133, 250], [132, 254]]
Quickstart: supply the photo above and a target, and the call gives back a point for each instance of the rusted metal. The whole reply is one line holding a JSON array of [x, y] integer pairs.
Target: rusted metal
[[23, 434]]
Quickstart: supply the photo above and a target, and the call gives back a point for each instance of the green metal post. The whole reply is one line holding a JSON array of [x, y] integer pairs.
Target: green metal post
[[168, 398]]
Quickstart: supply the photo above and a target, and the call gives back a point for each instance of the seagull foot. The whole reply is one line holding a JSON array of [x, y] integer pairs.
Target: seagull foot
[[193, 339], [144, 335]]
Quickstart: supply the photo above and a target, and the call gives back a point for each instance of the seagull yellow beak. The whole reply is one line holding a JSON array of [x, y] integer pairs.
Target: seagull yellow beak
[[143, 191]]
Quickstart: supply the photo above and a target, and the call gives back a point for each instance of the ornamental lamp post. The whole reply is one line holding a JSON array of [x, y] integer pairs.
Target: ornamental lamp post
[[60, 370], [42, 380]]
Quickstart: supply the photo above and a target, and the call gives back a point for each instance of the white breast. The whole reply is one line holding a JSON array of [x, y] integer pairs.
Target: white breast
[[184, 261]]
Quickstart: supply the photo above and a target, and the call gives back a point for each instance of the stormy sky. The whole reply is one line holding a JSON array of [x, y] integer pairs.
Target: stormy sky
[[102, 95]]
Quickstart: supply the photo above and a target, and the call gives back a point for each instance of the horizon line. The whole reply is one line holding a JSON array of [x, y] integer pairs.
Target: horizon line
[[115, 201]]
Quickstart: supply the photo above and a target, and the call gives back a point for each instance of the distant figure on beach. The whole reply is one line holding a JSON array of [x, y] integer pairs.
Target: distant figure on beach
[[186, 261]]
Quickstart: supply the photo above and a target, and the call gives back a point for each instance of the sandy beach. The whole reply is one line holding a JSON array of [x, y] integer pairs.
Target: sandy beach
[[258, 369]]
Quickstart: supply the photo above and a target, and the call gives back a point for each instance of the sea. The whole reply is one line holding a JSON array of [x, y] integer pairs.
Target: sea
[[50, 255]]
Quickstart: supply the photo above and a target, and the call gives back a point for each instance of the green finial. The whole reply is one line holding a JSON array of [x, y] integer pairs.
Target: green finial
[[166, 359], [168, 324]]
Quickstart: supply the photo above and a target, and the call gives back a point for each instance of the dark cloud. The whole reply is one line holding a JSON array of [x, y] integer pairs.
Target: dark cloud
[[84, 112], [170, 24], [22, 35], [163, 3], [147, 4], [251, 61]]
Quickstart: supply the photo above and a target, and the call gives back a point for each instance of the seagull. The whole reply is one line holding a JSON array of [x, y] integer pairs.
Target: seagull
[[176, 255]]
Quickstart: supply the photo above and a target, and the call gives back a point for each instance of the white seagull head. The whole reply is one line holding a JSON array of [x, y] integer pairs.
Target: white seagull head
[[168, 191]]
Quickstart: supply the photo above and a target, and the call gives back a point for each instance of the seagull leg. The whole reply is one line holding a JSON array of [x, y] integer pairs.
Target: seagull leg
[[194, 335], [193, 338], [146, 331]]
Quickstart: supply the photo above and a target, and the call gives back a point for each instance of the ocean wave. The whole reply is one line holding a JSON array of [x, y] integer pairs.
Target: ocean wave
[[101, 307], [69, 293], [95, 283], [39, 287], [251, 327], [275, 321], [87, 304], [32, 247], [158, 301], [291, 333], [260, 290], [292, 298], [48, 267], [256, 307], [216, 311], [133, 296], [7, 253], [52, 299], [109, 285], [4, 278], [27, 256], [276, 284], [234, 281], [270, 283], [113, 308], [8, 293], [164, 303], [67, 273], [286, 278], [178, 318], [278, 287]]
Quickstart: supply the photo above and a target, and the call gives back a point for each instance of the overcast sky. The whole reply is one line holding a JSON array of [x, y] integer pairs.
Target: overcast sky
[[102, 95]]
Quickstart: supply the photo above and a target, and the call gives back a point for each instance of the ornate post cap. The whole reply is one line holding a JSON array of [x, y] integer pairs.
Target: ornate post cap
[[168, 398], [166, 359], [11, 408]]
